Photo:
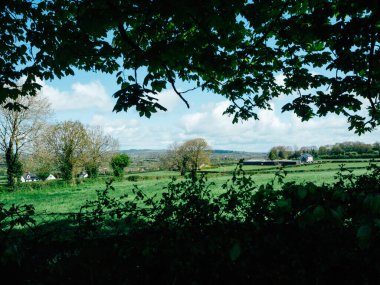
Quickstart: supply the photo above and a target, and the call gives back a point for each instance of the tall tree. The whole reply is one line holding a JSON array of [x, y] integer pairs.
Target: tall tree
[[171, 159], [279, 152], [188, 156], [327, 52], [68, 141], [19, 128], [272, 155], [197, 151]]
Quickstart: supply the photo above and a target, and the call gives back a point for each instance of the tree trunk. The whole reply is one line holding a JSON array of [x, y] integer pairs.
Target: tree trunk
[[14, 167], [184, 166], [9, 160]]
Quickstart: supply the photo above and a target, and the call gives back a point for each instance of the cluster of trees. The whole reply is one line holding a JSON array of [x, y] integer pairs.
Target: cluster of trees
[[70, 147], [350, 149], [188, 156], [279, 152], [28, 142], [338, 150]]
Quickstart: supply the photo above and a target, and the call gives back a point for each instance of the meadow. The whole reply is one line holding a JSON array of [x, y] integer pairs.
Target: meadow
[[55, 199]]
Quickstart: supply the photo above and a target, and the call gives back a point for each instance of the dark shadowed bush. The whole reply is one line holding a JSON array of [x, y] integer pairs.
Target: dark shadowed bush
[[249, 234]]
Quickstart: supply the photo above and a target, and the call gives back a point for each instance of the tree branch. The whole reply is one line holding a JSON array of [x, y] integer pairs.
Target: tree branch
[[126, 39], [370, 66], [172, 83], [188, 90]]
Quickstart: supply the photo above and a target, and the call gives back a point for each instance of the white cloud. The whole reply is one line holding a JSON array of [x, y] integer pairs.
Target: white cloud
[[272, 129], [91, 104], [81, 96], [112, 126], [134, 133], [168, 99]]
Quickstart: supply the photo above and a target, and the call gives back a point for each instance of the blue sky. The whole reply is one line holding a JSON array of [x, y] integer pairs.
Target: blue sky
[[87, 97]]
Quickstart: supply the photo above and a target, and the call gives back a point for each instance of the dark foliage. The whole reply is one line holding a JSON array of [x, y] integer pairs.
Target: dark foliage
[[327, 52]]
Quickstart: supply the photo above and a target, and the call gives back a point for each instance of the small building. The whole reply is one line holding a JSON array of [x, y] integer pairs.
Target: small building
[[306, 158], [29, 177], [83, 174], [50, 177]]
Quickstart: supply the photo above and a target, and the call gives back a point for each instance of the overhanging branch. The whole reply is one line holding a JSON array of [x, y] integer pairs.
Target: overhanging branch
[[172, 83]]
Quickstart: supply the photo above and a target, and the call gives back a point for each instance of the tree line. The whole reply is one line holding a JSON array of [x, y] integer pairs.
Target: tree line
[[338, 150], [29, 143]]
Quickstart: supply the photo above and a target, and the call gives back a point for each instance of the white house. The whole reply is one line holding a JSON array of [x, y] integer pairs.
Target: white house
[[29, 177], [83, 174], [50, 177], [306, 158]]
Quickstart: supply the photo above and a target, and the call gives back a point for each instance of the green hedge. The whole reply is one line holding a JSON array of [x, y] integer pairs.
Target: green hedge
[[300, 234], [348, 156]]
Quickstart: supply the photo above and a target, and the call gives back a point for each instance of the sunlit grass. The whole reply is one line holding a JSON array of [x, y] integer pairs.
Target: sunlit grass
[[63, 199]]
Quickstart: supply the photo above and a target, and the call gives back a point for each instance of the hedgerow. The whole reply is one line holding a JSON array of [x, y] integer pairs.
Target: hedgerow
[[300, 234]]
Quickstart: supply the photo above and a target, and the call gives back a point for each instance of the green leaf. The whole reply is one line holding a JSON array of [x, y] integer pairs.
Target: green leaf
[[284, 204], [364, 234], [119, 80], [301, 193], [235, 251], [319, 213], [375, 204]]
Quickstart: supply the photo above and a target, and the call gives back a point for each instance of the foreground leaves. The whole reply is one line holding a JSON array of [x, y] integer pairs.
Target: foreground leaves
[[324, 54]]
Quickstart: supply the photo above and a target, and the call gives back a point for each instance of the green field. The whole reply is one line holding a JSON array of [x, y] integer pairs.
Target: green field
[[52, 199]]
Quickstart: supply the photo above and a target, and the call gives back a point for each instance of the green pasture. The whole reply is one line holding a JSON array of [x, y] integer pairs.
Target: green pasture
[[54, 198], [317, 166]]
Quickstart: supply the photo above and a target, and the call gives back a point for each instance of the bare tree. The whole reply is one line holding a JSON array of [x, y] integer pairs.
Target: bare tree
[[19, 127], [41, 159], [171, 159], [99, 150]]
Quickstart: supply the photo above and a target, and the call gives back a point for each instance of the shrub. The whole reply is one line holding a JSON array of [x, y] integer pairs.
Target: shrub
[[118, 163], [300, 234]]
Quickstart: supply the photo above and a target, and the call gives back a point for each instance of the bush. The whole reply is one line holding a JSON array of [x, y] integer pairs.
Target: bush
[[43, 174], [134, 178], [118, 163], [300, 234]]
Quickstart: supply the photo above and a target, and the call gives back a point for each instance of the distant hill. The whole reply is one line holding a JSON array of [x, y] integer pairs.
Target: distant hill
[[217, 151], [236, 155], [224, 151], [144, 152], [155, 153]]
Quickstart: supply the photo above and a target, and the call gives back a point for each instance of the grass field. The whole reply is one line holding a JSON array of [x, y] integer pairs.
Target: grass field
[[63, 199]]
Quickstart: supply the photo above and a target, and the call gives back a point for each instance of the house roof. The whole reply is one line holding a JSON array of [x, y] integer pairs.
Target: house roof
[[306, 155], [31, 175]]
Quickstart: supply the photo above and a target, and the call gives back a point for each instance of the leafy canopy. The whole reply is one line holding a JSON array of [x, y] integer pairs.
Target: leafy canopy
[[327, 52]]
